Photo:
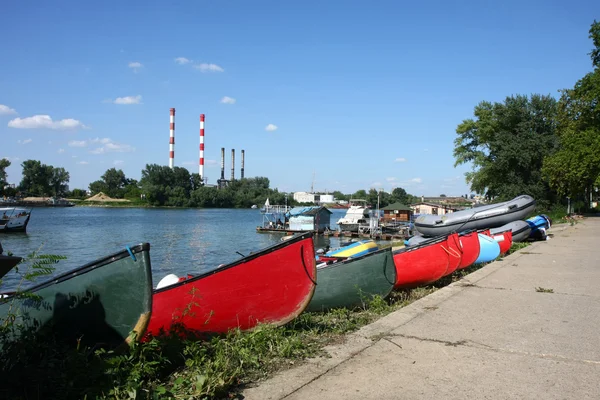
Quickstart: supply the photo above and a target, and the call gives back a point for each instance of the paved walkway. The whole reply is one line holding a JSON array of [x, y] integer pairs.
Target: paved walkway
[[491, 335]]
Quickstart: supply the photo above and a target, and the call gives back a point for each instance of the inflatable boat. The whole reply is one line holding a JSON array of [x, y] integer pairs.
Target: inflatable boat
[[520, 230], [489, 216]]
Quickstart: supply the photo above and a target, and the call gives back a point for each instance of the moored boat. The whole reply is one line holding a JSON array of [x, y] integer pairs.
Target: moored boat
[[489, 216], [520, 230], [99, 303], [421, 264], [349, 282], [469, 242], [14, 219], [357, 213], [489, 249], [273, 286]]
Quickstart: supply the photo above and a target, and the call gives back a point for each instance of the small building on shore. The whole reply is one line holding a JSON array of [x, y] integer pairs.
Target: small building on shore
[[304, 219], [396, 212], [432, 208]]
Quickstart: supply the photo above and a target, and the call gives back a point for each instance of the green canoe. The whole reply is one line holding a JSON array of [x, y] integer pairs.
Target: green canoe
[[99, 303], [350, 282]]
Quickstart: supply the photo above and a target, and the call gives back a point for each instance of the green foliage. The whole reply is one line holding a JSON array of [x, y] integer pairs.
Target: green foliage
[[507, 143], [43, 180], [4, 163], [575, 168], [78, 194]]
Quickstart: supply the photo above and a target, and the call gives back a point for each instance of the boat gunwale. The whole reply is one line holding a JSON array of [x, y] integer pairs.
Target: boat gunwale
[[243, 260], [346, 260], [101, 262], [476, 219], [433, 240]]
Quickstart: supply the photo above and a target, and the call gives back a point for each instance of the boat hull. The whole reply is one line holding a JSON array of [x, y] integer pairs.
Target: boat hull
[[271, 286], [421, 264], [454, 250], [348, 283], [99, 303], [489, 216], [504, 240], [7, 263], [356, 249], [469, 243], [520, 230], [15, 224], [489, 249]]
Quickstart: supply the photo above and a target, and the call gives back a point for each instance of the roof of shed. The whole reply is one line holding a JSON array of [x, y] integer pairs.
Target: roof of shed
[[397, 206]]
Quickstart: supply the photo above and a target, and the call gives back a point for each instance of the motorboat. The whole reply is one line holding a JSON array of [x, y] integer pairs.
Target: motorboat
[[356, 215], [14, 219]]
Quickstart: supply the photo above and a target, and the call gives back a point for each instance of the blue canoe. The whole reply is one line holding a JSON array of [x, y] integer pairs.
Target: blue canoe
[[489, 249]]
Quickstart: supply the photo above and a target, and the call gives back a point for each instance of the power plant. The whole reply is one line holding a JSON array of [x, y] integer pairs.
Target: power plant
[[221, 182]]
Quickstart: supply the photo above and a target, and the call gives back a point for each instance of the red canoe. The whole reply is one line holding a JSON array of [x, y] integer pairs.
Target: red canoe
[[470, 249], [421, 264], [272, 286], [504, 239], [454, 250]]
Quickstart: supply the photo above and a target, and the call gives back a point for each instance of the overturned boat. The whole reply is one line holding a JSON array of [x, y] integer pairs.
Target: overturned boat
[[483, 217]]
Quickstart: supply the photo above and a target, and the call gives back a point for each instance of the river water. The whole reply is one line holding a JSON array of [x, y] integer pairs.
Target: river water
[[182, 240]]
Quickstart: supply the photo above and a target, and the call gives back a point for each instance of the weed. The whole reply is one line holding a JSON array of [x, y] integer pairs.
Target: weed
[[543, 290]]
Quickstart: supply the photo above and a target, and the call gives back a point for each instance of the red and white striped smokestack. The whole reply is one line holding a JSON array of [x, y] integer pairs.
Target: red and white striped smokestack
[[172, 139], [242, 171], [232, 164], [201, 169]]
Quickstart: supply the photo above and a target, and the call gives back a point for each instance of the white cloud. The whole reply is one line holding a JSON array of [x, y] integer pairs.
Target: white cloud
[[206, 67], [73, 156], [271, 128], [60, 151], [400, 159], [83, 163], [190, 163], [108, 146], [77, 143], [425, 149], [391, 179], [182, 60], [6, 110], [416, 180], [228, 100], [210, 162], [24, 141], [45, 122], [135, 66], [128, 100], [374, 184], [118, 162]]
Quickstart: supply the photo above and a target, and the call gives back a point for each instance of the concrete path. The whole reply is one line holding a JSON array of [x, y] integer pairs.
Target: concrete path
[[491, 335]]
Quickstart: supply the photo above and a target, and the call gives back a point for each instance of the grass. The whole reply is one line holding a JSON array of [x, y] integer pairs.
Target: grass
[[183, 365], [543, 290]]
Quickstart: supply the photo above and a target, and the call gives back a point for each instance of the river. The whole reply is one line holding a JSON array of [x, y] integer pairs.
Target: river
[[182, 240]]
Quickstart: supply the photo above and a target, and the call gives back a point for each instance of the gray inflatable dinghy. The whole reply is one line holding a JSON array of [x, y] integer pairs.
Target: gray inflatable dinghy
[[484, 217], [520, 230]]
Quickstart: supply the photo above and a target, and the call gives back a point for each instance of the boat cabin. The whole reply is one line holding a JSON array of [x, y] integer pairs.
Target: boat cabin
[[304, 219], [397, 212]]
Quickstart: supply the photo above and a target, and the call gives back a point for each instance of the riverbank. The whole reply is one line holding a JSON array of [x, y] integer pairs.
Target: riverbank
[[521, 327]]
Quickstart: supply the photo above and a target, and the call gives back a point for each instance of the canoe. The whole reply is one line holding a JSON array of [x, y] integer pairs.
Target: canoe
[[520, 230], [348, 283], [100, 302], [469, 242], [355, 249], [454, 250], [272, 286], [489, 249], [489, 216], [7, 263], [421, 264], [504, 240]]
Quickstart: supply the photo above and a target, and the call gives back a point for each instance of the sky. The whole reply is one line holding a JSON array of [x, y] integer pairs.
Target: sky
[[335, 95]]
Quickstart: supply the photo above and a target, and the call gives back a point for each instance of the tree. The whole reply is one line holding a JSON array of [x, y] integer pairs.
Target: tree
[[400, 195], [114, 182], [4, 163], [37, 178], [506, 144], [442, 195], [59, 181], [97, 187], [575, 168]]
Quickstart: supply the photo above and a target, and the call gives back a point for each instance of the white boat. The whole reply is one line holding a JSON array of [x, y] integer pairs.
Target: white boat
[[356, 215], [14, 219]]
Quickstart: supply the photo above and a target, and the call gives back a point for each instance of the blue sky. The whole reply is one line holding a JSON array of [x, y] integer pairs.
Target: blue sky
[[362, 94]]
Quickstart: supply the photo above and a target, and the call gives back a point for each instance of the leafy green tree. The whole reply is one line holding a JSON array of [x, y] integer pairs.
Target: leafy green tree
[[340, 196], [97, 187], [37, 178], [575, 168], [4, 163], [506, 144], [114, 181], [59, 181], [78, 194], [400, 195], [360, 194]]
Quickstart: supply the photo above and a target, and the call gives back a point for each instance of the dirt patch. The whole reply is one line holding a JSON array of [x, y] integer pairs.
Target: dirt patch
[[101, 197]]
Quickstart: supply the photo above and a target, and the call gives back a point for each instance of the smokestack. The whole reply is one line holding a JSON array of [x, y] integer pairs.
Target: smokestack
[[201, 169], [172, 139], [242, 171], [232, 163], [222, 163]]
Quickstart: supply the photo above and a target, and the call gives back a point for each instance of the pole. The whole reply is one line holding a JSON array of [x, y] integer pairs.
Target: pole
[[172, 138], [201, 166]]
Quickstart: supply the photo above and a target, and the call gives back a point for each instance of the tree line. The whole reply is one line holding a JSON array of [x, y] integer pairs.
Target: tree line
[[537, 145]]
